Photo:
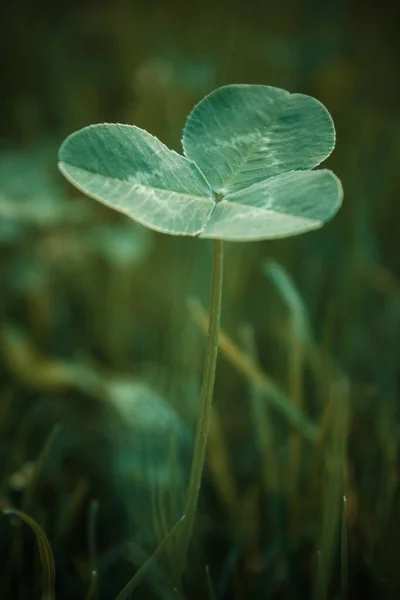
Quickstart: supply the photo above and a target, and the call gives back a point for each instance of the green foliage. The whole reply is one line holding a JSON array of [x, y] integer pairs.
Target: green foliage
[[89, 299], [245, 175]]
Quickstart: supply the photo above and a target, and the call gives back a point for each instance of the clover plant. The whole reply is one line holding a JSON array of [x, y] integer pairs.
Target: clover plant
[[245, 174]]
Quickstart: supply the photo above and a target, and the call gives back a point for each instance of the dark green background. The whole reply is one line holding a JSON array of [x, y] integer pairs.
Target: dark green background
[[88, 298]]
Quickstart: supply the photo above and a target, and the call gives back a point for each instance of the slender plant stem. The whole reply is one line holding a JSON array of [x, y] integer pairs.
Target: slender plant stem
[[204, 419]]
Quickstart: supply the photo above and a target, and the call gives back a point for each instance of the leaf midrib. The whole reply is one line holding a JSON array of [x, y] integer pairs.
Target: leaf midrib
[[264, 210], [143, 185], [252, 150], [214, 204]]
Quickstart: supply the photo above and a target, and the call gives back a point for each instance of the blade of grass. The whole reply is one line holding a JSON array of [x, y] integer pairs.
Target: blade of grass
[[92, 544], [321, 592], [220, 467], [92, 541], [333, 484], [176, 488], [271, 473], [246, 366], [210, 588], [297, 310], [41, 459], [93, 587], [155, 513], [261, 422], [45, 551], [301, 351], [137, 578], [16, 545], [344, 552]]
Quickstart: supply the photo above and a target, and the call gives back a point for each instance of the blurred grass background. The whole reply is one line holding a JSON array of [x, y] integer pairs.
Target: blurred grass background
[[102, 322]]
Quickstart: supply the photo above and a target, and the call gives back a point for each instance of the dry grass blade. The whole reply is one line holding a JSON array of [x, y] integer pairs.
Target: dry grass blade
[[45, 551], [255, 375]]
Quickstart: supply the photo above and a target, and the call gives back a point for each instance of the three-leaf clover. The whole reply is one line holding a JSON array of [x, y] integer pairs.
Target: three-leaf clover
[[246, 174]]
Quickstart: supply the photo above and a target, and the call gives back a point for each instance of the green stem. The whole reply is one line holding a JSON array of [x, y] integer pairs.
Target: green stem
[[204, 419]]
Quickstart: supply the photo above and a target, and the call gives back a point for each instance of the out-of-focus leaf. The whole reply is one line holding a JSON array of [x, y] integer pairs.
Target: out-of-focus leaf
[[291, 296], [123, 246], [40, 372], [151, 455], [31, 195]]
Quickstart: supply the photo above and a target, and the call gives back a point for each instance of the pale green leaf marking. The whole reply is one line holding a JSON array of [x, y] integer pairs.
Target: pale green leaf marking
[[241, 134], [285, 205], [131, 171]]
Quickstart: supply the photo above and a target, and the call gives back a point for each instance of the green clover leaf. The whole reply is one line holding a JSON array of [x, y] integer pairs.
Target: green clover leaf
[[246, 174]]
